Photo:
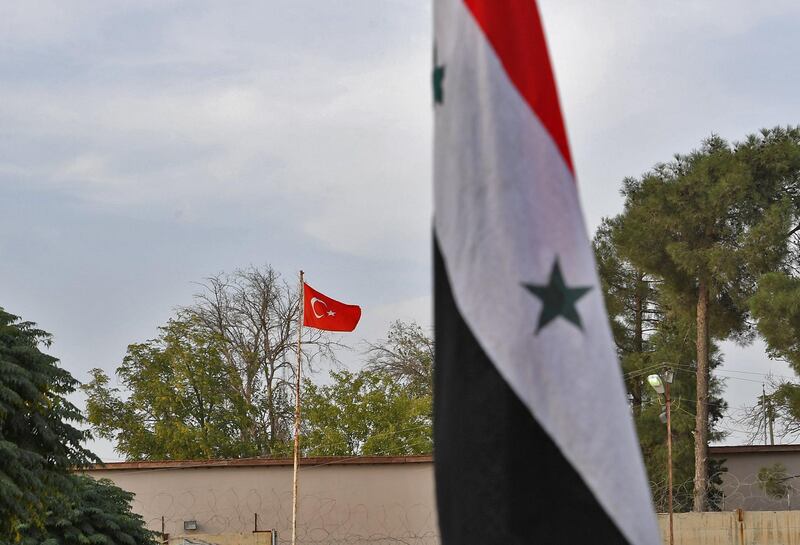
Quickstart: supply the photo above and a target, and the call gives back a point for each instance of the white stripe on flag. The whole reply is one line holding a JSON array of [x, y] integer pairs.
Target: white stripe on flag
[[506, 207]]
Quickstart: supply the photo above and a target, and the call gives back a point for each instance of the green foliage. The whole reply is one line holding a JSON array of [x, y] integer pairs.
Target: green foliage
[[365, 413], [632, 300], [776, 303], [776, 306], [89, 512], [672, 342], [649, 333], [38, 439], [40, 501], [707, 225], [719, 215], [773, 480], [180, 405], [218, 380], [384, 409]]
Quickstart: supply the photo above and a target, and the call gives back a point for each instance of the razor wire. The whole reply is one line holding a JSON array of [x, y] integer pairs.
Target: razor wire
[[747, 492]]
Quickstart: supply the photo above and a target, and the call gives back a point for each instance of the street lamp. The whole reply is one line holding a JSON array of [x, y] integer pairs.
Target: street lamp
[[661, 383]]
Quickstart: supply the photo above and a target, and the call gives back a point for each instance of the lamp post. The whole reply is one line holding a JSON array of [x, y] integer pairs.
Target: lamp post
[[661, 384]]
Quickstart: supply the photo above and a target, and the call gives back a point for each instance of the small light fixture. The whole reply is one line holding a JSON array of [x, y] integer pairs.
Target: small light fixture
[[656, 382], [668, 374], [190, 525]]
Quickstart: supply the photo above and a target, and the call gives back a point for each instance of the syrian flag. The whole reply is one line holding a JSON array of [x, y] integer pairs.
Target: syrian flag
[[534, 441], [323, 312]]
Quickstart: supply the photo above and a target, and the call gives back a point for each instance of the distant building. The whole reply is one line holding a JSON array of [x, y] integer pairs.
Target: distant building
[[741, 487], [356, 500]]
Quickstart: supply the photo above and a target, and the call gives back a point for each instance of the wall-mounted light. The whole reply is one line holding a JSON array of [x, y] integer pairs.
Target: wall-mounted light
[[190, 525]]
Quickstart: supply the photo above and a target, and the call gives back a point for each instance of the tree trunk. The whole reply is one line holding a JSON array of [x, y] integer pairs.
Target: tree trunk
[[638, 347], [701, 420], [638, 334]]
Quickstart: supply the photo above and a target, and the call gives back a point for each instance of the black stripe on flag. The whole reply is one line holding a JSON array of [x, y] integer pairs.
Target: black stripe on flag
[[499, 476]]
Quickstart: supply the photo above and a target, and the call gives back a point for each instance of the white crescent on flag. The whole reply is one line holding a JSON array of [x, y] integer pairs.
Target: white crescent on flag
[[314, 301]]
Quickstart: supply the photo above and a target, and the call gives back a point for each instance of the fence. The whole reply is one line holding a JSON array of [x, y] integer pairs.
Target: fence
[[734, 528]]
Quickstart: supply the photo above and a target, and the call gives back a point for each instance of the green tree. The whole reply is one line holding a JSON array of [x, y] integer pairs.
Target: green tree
[[365, 413], [671, 344], [253, 314], [649, 335], [90, 511], [708, 225], [178, 405], [773, 480], [632, 302], [39, 440], [776, 308], [217, 381], [40, 444]]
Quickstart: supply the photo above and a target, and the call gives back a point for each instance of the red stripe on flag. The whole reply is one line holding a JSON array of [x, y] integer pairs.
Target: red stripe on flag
[[514, 29]]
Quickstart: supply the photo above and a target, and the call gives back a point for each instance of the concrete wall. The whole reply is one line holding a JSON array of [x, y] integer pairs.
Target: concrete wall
[[342, 503], [731, 528], [734, 528], [358, 501], [260, 538]]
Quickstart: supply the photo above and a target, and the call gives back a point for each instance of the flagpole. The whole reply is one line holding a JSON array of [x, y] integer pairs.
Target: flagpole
[[297, 411]]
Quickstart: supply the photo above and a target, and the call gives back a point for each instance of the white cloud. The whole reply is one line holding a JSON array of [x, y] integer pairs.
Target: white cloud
[[328, 138]]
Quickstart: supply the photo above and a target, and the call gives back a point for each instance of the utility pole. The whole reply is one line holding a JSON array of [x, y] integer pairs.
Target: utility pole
[[661, 384], [669, 452], [770, 420], [767, 421]]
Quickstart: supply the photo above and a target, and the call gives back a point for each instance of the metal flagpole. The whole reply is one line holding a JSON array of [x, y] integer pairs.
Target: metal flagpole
[[297, 411]]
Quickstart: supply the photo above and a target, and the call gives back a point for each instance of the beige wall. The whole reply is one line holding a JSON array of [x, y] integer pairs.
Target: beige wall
[[390, 503], [245, 538], [734, 528], [353, 504]]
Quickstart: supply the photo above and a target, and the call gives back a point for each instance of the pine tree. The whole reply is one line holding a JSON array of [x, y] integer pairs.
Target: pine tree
[[708, 225], [632, 300], [651, 335]]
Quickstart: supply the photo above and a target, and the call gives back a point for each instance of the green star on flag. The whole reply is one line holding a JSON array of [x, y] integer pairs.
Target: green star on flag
[[438, 80], [557, 298]]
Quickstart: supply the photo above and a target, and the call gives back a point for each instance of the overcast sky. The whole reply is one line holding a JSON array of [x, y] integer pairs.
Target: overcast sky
[[146, 145]]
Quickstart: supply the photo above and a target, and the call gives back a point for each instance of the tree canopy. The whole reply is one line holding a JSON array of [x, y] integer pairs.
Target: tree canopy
[[89, 511], [41, 501], [39, 440], [365, 413], [175, 403], [707, 226], [217, 381], [650, 335], [384, 409]]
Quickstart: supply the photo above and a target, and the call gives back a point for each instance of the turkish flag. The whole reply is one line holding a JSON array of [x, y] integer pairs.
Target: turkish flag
[[322, 312]]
